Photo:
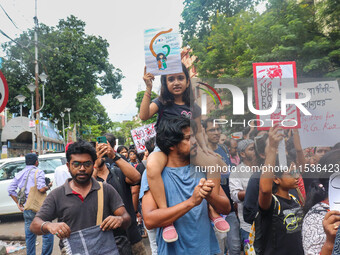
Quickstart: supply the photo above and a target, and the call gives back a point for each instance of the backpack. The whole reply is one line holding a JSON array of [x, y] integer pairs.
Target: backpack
[[21, 196], [259, 234]]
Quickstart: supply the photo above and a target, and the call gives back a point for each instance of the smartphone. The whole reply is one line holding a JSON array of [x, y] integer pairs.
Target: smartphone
[[101, 139]]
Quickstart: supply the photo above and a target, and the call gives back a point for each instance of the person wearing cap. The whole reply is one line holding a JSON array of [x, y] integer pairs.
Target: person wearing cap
[[238, 181], [32, 162]]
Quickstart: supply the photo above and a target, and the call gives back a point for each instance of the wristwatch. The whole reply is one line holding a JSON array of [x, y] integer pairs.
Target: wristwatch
[[118, 156]]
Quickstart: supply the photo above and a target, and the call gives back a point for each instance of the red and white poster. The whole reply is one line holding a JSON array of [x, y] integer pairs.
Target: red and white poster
[[269, 79], [141, 135]]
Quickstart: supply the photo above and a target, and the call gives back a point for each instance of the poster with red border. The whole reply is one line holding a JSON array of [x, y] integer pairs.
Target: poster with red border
[[3, 92], [267, 77]]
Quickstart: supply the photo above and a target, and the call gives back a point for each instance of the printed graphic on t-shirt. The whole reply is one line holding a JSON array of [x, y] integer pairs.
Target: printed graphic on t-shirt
[[186, 114], [292, 220]]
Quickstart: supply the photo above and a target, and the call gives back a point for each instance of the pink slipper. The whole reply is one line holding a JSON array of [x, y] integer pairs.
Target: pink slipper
[[170, 234], [220, 224]]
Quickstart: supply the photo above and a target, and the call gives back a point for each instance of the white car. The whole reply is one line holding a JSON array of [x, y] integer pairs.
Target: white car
[[11, 166]]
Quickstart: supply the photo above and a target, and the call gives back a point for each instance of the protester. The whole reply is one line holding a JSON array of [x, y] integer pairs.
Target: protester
[[75, 203], [121, 175], [232, 242], [27, 177], [317, 206], [223, 138], [176, 99], [187, 193], [61, 173], [132, 157], [232, 147], [122, 150], [238, 181], [278, 224]]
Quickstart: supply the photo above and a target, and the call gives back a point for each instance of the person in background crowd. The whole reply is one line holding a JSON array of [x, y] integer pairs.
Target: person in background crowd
[[133, 159], [75, 203], [232, 242], [232, 147], [28, 173], [122, 176], [122, 150], [238, 181], [61, 173], [187, 192], [319, 152], [223, 138], [317, 206]]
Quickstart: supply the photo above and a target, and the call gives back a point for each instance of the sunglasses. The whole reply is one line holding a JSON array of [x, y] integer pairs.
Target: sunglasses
[[86, 164]]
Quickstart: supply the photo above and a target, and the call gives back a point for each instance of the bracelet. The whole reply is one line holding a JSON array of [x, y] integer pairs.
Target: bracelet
[[42, 225], [147, 94]]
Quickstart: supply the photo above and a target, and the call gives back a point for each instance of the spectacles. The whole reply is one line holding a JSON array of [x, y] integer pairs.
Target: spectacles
[[214, 130], [86, 164]]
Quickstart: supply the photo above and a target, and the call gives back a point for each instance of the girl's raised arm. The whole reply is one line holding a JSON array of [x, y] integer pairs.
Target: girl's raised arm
[[147, 110]]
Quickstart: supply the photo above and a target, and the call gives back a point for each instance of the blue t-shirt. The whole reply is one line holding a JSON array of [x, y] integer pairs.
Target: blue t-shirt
[[195, 233]]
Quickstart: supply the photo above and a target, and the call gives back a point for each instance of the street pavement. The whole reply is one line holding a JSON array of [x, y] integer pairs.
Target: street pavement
[[13, 227]]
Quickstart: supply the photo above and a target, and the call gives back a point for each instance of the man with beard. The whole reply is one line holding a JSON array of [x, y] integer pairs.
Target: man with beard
[[187, 192], [238, 181], [121, 175], [75, 203]]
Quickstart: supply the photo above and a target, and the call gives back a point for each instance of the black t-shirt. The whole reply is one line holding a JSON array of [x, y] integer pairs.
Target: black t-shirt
[[117, 179], [279, 232], [176, 110], [140, 168], [250, 203]]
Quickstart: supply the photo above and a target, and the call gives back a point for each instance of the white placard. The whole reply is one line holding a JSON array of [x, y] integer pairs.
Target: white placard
[[162, 51], [141, 135], [322, 128]]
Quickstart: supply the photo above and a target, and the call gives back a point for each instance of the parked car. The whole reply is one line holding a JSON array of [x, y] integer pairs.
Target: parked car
[[11, 166]]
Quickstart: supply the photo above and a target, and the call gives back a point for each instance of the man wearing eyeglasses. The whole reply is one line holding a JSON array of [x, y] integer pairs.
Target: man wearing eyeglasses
[[232, 242], [75, 203]]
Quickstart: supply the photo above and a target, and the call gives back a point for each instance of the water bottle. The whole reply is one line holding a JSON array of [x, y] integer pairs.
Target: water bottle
[[248, 248]]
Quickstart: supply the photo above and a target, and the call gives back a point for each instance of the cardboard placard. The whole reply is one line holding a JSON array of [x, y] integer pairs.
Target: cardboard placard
[[162, 51], [267, 78], [141, 135]]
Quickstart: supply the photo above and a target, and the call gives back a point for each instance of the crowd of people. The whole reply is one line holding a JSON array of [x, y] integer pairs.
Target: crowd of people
[[196, 190]]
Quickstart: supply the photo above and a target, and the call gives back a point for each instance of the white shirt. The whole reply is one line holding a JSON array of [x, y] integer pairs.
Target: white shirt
[[61, 174], [238, 181]]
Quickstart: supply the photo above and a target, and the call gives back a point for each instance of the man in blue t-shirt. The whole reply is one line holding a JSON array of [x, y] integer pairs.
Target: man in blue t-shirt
[[232, 242], [187, 192]]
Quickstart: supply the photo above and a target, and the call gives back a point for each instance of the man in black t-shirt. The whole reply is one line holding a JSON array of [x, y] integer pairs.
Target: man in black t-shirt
[[122, 176]]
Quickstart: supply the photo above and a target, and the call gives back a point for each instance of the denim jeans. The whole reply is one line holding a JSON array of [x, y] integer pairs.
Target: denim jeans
[[233, 236], [47, 246], [244, 235]]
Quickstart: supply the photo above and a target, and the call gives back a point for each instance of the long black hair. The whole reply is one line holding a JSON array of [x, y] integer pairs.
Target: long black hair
[[167, 98], [318, 190]]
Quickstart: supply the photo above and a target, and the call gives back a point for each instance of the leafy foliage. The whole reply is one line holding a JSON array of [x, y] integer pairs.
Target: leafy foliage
[[139, 98], [77, 67]]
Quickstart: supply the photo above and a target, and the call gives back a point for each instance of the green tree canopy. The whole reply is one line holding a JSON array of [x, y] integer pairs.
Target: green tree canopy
[[77, 66], [139, 98], [287, 31]]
